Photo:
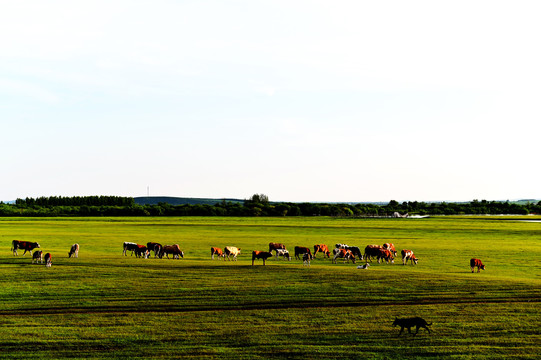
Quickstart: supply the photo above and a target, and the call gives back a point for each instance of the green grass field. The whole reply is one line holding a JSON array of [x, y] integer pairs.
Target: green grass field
[[104, 305]]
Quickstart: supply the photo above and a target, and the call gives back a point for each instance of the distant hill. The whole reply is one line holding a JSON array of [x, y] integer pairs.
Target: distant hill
[[154, 200]]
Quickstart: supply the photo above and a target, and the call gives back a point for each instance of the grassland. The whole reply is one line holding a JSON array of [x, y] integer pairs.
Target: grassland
[[104, 305]]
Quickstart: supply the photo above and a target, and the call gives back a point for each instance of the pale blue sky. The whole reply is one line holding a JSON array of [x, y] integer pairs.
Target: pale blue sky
[[299, 100]]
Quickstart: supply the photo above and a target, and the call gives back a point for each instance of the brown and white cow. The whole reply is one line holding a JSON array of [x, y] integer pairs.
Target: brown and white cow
[[37, 256], [343, 254], [156, 247], [142, 250], [231, 251], [386, 255], [74, 251], [408, 255], [23, 245], [476, 263], [300, 250], [390, 247], [322, 248], [216, 251], [276, 246], [48, 260], [260, 255], [173, 250]]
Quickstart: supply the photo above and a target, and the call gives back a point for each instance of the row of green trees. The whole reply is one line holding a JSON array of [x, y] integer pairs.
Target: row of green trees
[[77, 201], [257, 205]]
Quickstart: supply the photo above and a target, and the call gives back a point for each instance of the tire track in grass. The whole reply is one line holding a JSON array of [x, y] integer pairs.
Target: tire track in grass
[[258, 306]]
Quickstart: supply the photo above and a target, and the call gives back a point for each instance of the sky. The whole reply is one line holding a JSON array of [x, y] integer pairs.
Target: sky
[[320, 101]]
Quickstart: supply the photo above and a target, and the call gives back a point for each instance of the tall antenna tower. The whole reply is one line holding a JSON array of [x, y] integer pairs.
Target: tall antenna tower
[[148, 191]]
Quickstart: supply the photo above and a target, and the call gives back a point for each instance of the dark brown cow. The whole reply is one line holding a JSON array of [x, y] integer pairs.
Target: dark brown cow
[[408, 255], [173, 250], [356, 251], [48, 260], [260, 255], [23, 245], [276, 246], [216, 251], [322, 248], [154, 246], [37, 256], [476, 263], [142, 250], [371, 251], [385, 255], [299, 250], [390, 247]]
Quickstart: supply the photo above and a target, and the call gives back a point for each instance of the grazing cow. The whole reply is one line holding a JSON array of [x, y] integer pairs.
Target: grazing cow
[[142, 250], [343, 254], [173, 250], [306, 259], [408, 255], [74, 251], [365, 266], [260, 255], [340, 246], [323, 248], [371, 251], [385, 255], [37, 256], [154, 246], [48, 260], [23, 245], [355, 251], [300, 250], [129, 246], [216, 251], [390, 247], [231, 250], [276, 246], [476, 263], [284, 253]]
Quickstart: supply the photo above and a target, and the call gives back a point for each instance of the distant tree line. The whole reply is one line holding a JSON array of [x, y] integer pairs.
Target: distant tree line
[[257, 205], [77, 201]]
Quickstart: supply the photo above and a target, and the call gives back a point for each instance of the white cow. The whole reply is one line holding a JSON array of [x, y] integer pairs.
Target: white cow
[[284, 253], [231, 250]]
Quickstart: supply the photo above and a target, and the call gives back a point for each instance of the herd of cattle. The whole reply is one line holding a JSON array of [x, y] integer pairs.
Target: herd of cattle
[[380, 253], [37, 256], [385, 252]]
